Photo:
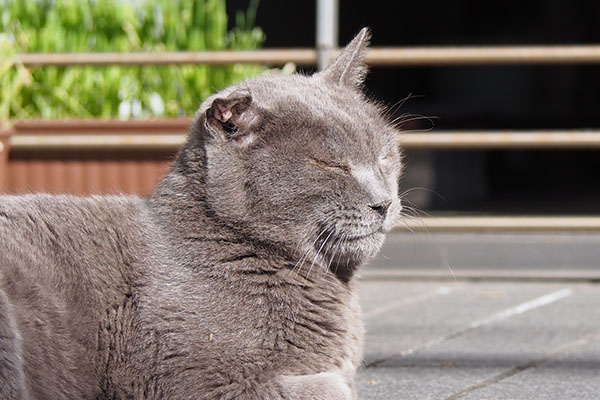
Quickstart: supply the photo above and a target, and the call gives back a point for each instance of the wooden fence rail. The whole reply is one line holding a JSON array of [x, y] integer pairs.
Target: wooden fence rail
[[503, 139], [172, 135], [377, 56]]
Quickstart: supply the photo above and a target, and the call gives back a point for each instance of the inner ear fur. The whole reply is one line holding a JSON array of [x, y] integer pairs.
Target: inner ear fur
[[234, 116], [349, 68]]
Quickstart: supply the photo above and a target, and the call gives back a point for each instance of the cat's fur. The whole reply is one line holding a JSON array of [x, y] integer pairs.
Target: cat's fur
[[234, 280]]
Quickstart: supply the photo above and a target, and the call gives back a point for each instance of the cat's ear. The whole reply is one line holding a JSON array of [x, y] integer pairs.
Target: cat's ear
[[234, 118], [349, 68]]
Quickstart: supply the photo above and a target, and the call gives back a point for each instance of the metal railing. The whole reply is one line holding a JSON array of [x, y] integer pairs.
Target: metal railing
[[134, 135], [391, 56], [503, 139], [137, 138]]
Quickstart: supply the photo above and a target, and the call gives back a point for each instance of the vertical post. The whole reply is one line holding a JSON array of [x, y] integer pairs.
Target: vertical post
[[327, 31], [4, 137]]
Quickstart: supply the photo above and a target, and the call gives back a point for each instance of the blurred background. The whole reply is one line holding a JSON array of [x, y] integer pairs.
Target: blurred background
[[111, 124]]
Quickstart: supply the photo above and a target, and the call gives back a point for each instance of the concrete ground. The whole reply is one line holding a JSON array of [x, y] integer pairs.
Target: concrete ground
[[497, 338]]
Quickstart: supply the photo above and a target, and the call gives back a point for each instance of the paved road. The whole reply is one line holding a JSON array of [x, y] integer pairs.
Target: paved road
[[481, 340]]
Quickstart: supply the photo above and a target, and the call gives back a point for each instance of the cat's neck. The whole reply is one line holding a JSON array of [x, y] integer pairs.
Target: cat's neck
[[180, 209], [192, 228]]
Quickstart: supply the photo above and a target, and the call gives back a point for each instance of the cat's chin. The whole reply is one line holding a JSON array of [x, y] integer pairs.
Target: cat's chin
[[349, 255], [369, 245]]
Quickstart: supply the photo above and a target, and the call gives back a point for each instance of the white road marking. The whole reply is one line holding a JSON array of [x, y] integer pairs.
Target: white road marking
[[509, 312], [523, 308], [377, 311]]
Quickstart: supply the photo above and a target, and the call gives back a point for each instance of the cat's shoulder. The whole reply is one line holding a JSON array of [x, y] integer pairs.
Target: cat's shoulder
[[48, 205], [43, 214]]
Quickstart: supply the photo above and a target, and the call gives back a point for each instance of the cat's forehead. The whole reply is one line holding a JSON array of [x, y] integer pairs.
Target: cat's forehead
[[331, 117], [343, 114], [315, 96]]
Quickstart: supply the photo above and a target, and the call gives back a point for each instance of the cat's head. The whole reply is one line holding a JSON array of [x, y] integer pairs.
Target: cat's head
[[304, 161]]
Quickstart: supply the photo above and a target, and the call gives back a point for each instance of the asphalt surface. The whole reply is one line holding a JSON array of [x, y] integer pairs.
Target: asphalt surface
[[507, 339]]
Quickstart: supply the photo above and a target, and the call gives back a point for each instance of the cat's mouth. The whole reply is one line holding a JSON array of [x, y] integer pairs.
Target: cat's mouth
[[346, 251], [347, 236], [355, 238]]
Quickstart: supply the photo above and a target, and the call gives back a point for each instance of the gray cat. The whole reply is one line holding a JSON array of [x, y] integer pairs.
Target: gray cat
[[234, 280]]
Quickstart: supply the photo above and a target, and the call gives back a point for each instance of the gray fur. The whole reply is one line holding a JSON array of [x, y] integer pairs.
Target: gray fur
[[234, 280]]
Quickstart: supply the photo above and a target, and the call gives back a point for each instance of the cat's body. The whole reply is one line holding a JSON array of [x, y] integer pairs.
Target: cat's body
[[234, 280]]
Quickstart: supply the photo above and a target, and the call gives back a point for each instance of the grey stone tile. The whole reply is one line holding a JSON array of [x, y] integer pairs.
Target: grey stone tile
[[464, 340]]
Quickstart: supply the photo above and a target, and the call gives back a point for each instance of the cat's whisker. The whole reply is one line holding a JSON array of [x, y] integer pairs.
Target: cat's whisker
[[319, 252], [311, 247], [399, 104], [336, 248], [413, 212], [402, 117], [405, 116], [337, 265], [403, 221], [401, 195], [422, 130], [400, 121], [415, 237], [390, 110]]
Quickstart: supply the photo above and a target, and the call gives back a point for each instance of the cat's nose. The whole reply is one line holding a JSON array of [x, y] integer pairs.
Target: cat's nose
[[382, 207]]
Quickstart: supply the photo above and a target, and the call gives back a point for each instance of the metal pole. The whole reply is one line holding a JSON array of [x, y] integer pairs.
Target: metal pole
[[327, 31]]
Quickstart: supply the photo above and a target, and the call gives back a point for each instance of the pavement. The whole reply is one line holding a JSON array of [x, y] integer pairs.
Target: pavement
[[497, 338]]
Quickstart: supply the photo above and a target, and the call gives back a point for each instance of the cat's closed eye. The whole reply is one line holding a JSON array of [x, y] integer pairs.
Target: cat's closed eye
[[333, 167], [386, 162]]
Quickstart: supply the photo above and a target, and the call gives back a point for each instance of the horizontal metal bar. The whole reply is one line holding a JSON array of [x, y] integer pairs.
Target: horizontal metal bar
[[170, 136], [405, 56], [99, 125], [378, 56], [140, 141], [271, 56], [501, 139], [499, 223]]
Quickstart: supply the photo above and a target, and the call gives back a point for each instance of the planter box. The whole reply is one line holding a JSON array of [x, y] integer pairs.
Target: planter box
[[91, 156]]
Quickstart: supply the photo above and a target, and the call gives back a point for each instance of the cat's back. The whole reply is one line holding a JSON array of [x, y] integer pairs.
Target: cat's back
[[65, 262], [73, 244], [62, 237]]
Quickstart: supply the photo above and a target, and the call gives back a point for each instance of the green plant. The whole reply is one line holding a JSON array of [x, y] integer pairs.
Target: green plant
[[13, 77], [123, 26]]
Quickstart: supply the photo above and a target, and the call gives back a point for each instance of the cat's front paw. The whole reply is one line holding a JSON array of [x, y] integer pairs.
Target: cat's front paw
[[337, 385], [334, 385]]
